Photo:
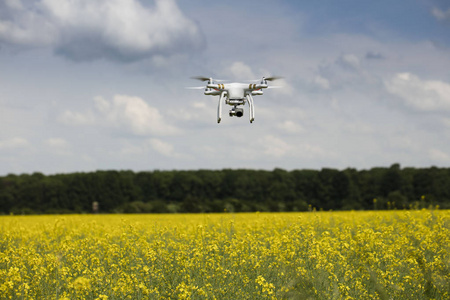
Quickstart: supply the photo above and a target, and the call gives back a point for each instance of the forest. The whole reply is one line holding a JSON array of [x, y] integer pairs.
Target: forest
[[227, 190]]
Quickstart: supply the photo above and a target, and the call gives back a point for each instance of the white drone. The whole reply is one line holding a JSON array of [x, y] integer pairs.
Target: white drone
[[235, 94]]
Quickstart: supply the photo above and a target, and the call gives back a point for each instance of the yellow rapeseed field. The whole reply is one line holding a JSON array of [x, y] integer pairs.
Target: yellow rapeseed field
[[314, 255]]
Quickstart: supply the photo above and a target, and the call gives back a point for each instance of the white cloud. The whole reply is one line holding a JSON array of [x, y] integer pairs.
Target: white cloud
[[313, 151], [285, 88], [76, 118], [349, 61], [241, 71], [161, 147], [167, 149], [196, 112], [290, 127], [121, 30], [422, 95], [102, 105], [14, 4], [321, 82], [23, 26], [58, 145], [440, 14], [200, 105], [14, 143], [439, 156], [133, 150], [132, 114], [274, 146], [446, 122], [284, 148], [345, 70]]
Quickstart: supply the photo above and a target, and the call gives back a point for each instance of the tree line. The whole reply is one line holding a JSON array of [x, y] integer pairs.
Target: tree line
[[226, 190]]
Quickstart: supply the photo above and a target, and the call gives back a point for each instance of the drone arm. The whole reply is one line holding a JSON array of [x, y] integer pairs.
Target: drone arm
[[252, 108], [219, 106], [216, 86], [257, 86]]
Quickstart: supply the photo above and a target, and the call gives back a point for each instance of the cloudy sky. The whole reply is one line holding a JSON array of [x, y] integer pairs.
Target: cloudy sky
[[91, 85]]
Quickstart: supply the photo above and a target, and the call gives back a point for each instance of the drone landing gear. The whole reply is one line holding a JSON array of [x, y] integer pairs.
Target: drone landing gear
[[252, 108], [219, 107], [236, 111]]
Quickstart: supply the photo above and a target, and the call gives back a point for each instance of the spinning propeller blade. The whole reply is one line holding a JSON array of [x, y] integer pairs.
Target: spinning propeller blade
[[202, 78], [273, 78]]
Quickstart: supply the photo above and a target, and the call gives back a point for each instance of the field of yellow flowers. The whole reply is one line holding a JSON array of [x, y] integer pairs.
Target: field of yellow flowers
[[314, 255]]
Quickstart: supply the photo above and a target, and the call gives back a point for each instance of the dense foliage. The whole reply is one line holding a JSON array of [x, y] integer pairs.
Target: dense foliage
[[226, 190]]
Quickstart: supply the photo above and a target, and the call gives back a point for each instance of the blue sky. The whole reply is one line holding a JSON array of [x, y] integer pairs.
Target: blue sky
[[88, 85], [409, 20]]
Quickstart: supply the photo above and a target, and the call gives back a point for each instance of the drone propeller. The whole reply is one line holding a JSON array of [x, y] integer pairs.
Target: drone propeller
[[272, 78], [195, 87], [201, 78]]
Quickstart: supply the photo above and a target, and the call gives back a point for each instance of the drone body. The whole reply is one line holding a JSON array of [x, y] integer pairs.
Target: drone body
[[235, 94]]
